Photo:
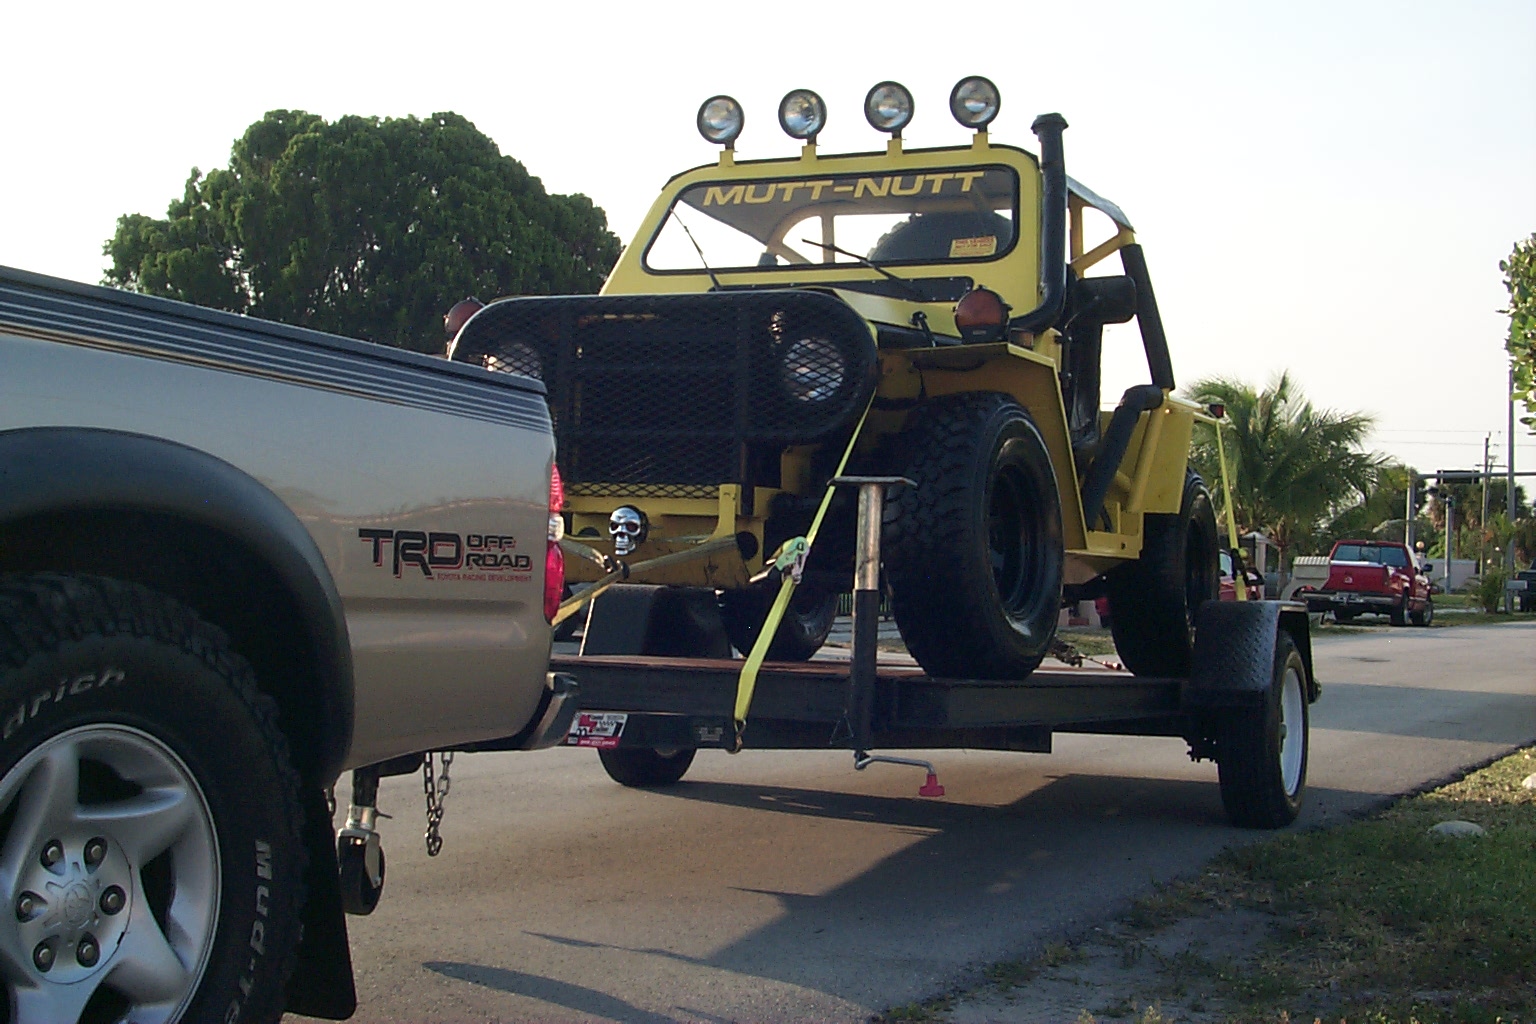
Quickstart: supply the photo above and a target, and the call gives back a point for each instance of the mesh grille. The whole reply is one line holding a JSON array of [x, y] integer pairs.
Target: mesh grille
[[608, 490], [680, 390]]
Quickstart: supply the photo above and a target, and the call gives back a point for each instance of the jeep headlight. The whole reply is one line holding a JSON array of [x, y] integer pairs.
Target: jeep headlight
[[813, 369]]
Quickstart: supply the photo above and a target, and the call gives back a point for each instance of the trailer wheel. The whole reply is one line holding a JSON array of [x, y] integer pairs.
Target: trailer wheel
[[974, 552], [1426, 616], [642, 768], [1261, 752], [803, 630], [149, 813], [1153, 600]]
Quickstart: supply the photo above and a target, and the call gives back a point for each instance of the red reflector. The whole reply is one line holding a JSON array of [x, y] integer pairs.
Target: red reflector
[[981, 315], [554, 580], [556, 489]]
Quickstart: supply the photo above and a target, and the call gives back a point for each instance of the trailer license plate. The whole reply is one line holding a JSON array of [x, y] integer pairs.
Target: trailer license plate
[[600, 729]]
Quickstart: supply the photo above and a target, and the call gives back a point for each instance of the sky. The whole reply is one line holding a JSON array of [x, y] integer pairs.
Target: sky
[[1321, 188]]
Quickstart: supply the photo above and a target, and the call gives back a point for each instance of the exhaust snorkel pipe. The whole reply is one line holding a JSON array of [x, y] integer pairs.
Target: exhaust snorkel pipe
[[1053, 228]]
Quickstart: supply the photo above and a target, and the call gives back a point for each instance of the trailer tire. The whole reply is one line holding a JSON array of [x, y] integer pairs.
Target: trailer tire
[[1261, 761], [974, 552], [805, 626], [142, 763], [1153, 600], [642, 768]]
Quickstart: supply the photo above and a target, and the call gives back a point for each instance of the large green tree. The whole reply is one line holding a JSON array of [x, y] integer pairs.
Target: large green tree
[[1294, 467], [1520, 279], [365, 227]]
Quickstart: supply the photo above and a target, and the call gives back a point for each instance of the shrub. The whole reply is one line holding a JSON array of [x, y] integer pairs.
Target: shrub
[[1490, 590]]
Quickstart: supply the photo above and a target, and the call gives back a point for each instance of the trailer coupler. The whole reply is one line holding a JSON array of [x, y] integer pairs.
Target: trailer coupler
[[863, 759]]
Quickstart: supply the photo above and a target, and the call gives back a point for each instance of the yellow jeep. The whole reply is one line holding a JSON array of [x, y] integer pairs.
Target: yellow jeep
[[927, 313]]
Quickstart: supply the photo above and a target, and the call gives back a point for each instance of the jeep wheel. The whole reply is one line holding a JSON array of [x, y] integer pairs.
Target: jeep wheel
[[149, 818], [643, 769], [1261, 752], [1426, 615], [803, 630], [1153, 600], [974, 551]]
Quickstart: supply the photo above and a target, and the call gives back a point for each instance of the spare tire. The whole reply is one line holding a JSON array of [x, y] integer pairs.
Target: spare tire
[[974, 552], [1153, 600]]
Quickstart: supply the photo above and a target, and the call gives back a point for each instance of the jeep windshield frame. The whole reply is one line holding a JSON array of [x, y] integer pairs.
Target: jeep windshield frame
[[945, 216]]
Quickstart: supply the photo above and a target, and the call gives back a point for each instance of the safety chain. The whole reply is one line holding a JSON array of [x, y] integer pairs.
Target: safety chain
[[437, 795]]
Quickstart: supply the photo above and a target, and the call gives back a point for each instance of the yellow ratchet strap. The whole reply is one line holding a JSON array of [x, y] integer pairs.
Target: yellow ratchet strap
[[797, 547], [1226, 495]]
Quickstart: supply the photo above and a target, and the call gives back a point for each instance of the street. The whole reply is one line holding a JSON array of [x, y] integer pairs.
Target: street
[[783, 886]]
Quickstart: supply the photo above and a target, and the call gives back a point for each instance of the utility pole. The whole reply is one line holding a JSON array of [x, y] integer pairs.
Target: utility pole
[[1413, 483], [1482, 537], [1509, 501]]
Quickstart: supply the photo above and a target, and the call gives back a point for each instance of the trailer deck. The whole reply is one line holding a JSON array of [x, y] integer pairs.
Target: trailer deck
[[688, 702]]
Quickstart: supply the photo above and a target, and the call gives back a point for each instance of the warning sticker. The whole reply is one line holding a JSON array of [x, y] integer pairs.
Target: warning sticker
[[969, 248], [600, 729]]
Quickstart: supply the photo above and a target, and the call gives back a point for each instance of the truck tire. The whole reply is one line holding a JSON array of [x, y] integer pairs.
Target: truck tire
[[142, 779], [1261, 752], [1425, 616], [974, 552], [802, 631], [1398, 616], [1342, 617], [1153, 600], [645, 769]]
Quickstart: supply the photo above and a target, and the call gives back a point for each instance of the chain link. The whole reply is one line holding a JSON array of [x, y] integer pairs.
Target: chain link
[[436, 791]]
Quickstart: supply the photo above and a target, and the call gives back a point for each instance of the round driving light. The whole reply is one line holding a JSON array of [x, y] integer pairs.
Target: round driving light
[[888, 107], [974, 102], [802, 115], [981, 315], [813, 370], [720, 120]]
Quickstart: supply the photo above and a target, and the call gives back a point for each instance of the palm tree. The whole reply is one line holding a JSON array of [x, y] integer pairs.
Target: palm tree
[[1293, 466]]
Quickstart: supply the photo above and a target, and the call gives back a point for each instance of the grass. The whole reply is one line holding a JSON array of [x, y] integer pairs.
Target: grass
[[1381, 921]]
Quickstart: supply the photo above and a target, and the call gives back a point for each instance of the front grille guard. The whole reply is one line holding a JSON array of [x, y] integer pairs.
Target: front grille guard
[[682, 391]]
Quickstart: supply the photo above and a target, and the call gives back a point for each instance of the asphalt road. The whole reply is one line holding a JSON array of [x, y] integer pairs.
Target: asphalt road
[[782, 886]]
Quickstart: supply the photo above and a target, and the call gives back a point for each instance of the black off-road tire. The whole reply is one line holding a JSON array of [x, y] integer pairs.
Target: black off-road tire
[[1251, 753], [1426, 615], [805, 626], [86, 663], [1153, 600], [974, 552], [646, 769]]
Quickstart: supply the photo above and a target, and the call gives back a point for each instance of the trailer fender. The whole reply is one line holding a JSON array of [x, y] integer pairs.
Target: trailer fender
[[1234, 653]]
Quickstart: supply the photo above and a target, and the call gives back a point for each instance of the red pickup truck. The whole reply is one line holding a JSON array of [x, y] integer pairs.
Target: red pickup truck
[[1377, 577]]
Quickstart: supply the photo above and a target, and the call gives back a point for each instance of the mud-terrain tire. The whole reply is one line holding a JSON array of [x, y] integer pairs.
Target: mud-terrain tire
[[802, 631], [974, 552], [640, 768], [1424, 616], [1153, 600], [1261, 752], [129, 720]]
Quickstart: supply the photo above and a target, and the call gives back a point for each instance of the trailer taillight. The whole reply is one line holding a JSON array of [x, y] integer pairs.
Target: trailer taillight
[[554, 558]]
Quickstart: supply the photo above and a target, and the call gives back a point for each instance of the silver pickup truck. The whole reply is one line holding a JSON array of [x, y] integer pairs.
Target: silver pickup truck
[[237, 559]]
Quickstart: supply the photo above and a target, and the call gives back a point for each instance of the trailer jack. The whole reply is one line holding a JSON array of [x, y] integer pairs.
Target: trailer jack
[[863, 759]]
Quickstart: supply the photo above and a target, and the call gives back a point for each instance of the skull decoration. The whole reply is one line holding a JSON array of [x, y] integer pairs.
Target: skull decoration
[[628, 527]]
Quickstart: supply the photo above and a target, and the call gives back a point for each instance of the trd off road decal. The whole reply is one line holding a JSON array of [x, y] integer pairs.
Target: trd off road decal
[[600, 729], [471, 557]]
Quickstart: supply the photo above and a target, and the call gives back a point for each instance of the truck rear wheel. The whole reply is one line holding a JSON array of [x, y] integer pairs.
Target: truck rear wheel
[[1261, 752], [1398, 616], [149, 810], [1153, 600], [974, 551], [1426, 615], [803, 630], [643, 768]]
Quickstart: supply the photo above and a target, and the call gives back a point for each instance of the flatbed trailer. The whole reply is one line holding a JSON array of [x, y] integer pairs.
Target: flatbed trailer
[[1244, 705]]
